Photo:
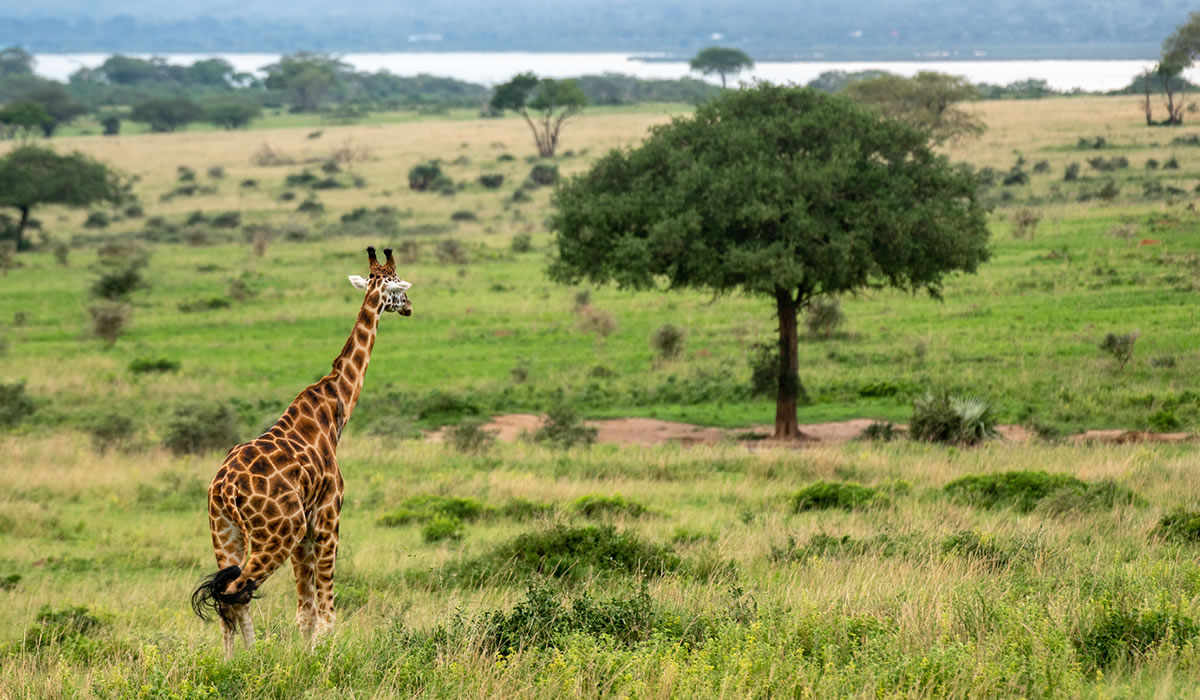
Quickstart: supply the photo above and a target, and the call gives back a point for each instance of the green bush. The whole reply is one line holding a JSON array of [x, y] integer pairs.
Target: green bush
[[541, 620], [146, 365], [423, 176], [96, 219], [110, 319], [112, 430], [954, 420], [522, 243], [56, 626], [544, 174], [202, 427], [463, 215], [1117, 633], [441, 408], [824, 495], [572, 553], [992, 551], [823, 317], [426, 507], [564, 429], [879, 431], [822, 545], [1026, 490], [227, 219], [1120, 346], [522, 509], [442, 527], [15, 404], [1180, 525], [667, 341], [491, 181], [469, 436], [596, 506]]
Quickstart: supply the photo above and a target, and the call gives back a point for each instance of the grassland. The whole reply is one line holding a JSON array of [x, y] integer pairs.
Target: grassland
[[916, 593]]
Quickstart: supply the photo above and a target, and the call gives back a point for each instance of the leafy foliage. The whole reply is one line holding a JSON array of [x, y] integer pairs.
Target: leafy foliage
[[470, 436], [198, 428], [546, 105], [722, 61], [926, 102], [1025, 490], [15, 404], [954, 420], [597, 506], [167, 113], [1120, 346], [667, 341], [424, 508], [1180, 524], [824, 495], [564, 428]]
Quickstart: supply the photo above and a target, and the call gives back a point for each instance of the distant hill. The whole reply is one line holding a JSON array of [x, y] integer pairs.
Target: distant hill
[[781, 29]]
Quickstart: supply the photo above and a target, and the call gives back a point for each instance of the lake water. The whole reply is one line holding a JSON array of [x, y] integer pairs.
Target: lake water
[[491, 68]]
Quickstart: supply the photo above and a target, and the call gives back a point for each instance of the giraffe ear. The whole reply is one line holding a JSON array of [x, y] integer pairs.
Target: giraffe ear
[[358, 282], [398, 286]]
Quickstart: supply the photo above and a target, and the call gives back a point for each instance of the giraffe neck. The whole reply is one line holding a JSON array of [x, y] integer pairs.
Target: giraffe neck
[[350, 366]]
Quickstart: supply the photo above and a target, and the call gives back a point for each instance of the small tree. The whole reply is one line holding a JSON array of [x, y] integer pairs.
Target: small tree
[[306, 77], [166, 113], [722, 61], [58, 103], [784, 192], [927, 102], [232, 112], [31, 175], [551, 102], [24, 120]]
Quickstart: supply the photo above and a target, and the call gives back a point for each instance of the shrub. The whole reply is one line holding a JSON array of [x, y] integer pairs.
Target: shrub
[[248, 183], [1180, 525], [564, 429], [15, 404], [1120, 346], [109, 320], [824, 495], [409, 252], [823, 545], [1151, 164], [210, 304], [544, 174], [1109, 191], [469, 436], [451, 251], [595, 506], [1025, 490], [1015, 176], [120, 270], [228, 219], [574, 553], [463, 215], [441, 407], [134, 211], [597, 321], [541, 620], [522, 243], [202, 427], [823, 317], [301, 179], [1164, 421], [492, 181], [111, 430], [57, 626], [1171, 164], [940, 417], [442, 527], [1042, 166], [111, 124], [146, 365], [879, 431], [1072, 173], [425, 507], [312, 205], [991, 551], [667, 341], [522, 509], [521, 195], [1116, 633], [505, 158], [1025, 223], [1163, 362], [423, 176], [96, 219]]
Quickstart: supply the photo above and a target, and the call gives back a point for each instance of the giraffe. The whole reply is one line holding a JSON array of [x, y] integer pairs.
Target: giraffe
[[280, 495]]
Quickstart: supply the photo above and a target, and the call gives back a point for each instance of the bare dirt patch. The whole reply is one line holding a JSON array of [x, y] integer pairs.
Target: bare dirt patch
[[652, 431]]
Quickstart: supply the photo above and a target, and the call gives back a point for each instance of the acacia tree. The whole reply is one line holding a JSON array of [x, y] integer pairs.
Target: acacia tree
[[32, 175], [308, 78], [166, 113], [927, 101], [722, 61], [782, 192], [552, 103]]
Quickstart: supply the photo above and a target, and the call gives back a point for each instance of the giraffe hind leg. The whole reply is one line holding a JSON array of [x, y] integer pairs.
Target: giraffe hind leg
[[304, 566]]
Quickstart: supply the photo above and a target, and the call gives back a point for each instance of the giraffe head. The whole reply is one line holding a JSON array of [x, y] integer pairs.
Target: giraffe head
[[383, 278]]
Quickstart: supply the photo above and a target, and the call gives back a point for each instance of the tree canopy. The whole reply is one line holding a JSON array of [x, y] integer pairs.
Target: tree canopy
[[1181, 49], [232, 112], [552, 103], [166, 113], [927, 102], [722, 61], [32, 175], [784, 192], [308, 77]]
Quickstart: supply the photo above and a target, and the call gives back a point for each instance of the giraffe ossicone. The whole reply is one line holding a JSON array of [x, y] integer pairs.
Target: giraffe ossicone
[[279, 496]]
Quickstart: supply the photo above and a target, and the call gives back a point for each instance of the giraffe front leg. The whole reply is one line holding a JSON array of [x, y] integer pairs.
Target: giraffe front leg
[[304, 565]]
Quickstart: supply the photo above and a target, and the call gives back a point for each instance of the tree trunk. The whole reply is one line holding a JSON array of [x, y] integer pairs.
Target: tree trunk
[[1166, 81], [786, 426], [21, 227], [1149, 109]]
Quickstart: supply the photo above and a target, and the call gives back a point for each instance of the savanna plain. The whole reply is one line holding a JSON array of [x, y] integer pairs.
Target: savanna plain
[[1044, 566]]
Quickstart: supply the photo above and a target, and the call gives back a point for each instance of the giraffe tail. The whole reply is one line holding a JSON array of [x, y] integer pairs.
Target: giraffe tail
[[211, 595]]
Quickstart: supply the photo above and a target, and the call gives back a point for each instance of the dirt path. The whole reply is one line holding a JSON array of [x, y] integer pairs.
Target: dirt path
[[651, 431]]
